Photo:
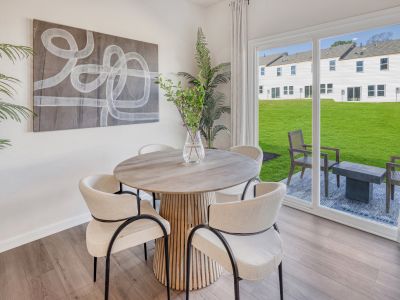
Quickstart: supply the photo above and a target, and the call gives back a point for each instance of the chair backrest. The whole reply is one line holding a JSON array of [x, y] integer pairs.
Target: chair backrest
[[98, 192], [296, 141], [154, 148], [250, 216], [250, 151]]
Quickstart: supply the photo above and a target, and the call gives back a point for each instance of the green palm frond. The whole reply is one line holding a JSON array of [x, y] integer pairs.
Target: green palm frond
[[216, 129], [13, 111], [189, 77], [15, 52], [4, 143], [6, 84]]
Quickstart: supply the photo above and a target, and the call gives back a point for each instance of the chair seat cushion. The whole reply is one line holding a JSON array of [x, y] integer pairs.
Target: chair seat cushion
[[234, 194], [307, 161], [99, 234], [256, 255]]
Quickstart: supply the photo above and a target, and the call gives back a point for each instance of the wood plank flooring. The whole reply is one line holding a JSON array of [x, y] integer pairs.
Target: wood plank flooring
[[323, 260]]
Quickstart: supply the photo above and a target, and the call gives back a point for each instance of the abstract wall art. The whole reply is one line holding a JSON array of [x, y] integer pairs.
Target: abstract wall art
[[88, 79]]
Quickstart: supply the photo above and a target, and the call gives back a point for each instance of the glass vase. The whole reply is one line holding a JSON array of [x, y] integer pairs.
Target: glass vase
[[193, 150]]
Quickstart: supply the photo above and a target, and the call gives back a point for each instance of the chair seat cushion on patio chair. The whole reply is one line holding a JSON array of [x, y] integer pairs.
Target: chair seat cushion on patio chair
[[308, 161], [256, 255], [99, 234]]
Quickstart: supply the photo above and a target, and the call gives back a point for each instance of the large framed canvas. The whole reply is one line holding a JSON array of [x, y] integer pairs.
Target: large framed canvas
[[88, 79]]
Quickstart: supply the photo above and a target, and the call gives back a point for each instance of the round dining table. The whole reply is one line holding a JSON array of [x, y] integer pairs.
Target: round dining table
[[186, 192]]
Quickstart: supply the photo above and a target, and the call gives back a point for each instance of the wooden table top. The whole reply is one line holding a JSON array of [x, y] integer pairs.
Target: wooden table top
[[166, 172]]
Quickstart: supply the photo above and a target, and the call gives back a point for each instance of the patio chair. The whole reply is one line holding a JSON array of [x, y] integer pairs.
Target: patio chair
[[302, 157], [392, 179]]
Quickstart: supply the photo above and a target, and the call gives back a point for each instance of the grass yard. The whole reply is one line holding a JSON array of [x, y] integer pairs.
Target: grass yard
[[367, 133]]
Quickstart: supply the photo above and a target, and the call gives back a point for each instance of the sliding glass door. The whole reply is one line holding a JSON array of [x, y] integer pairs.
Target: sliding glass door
[[285, 116], [328, 120]]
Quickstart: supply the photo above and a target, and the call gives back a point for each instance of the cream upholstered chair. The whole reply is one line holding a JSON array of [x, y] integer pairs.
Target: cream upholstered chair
[[149, 149], [243, 236], [239, 192], [120, 221]]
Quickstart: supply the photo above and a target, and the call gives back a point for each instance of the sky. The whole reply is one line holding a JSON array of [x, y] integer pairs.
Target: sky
[[357, 37]]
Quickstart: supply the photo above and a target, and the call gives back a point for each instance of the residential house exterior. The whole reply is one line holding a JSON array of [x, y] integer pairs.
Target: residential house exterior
[[369, 73]]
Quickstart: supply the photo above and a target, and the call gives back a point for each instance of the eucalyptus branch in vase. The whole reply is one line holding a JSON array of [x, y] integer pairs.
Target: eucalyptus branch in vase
[[189, 102]]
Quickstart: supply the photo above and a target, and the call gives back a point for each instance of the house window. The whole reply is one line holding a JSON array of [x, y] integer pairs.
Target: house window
[[329, 88], [278, 71], [380, 90], [384, 64], [262, 71], [291, 90], [285, 90], [360, 66], [275, 93], [261, 89], [371, 91], [293, 70], [323, 88], [332, 65]]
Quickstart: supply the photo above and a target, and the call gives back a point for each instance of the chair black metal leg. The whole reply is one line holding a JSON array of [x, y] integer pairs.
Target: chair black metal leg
[[145, 251], [107, 279], [280, 280], [167, 266], [188, 260], [236, 280], [154, 200], [94, 268]]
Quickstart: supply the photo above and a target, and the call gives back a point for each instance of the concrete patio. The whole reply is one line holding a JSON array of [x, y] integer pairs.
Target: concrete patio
[[374, 210]]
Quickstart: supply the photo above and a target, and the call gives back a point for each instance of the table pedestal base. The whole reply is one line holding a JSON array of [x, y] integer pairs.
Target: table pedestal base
[[358, 190], [185, 211]]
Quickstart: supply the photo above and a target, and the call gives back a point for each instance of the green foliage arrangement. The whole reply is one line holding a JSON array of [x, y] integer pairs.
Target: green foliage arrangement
[[188, 100], [209, 78], [9, 110]]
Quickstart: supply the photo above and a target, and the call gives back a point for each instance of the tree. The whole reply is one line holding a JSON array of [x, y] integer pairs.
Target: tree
[[9, 110], [339, 43], [380, 37], [210, 78]]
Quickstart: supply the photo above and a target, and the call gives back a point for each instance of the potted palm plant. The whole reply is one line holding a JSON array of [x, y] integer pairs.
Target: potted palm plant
[[210, 78], [7, 90], [190, 102]]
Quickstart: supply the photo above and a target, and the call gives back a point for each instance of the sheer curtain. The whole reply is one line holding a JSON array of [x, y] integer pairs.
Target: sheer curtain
[[239, 106]]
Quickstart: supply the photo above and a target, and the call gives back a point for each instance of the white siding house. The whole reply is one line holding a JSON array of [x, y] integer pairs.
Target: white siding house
[[348, 73]]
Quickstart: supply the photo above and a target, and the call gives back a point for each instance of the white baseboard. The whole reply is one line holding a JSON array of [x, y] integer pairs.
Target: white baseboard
[[43, 232]]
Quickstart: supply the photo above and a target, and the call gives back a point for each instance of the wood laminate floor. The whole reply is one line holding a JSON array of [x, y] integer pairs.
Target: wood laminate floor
[[323, 260]]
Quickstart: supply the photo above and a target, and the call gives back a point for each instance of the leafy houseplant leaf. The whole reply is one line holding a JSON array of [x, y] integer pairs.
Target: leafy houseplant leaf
[[209, 77]]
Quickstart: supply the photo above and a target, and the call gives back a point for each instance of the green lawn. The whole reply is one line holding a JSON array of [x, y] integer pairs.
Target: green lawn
[[367, 133]]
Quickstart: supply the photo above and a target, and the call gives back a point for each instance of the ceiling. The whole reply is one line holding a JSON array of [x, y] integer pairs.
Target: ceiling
[[205, 2]]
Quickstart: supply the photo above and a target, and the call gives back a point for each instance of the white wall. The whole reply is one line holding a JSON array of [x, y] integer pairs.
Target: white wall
[[39, 174], [270, 17]]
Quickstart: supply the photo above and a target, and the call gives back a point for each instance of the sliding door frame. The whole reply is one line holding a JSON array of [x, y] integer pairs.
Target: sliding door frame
[[314, 34]]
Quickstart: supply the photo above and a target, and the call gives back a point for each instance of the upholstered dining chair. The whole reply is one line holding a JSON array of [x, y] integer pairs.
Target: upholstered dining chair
[[120, 221], [239, 192], [242, 236], [149, 149]]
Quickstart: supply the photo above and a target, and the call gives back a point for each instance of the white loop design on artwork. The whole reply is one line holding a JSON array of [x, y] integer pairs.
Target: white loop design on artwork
[[114, 76]]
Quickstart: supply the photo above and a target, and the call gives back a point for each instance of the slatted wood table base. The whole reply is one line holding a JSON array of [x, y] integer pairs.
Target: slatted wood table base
[[185, 211]]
